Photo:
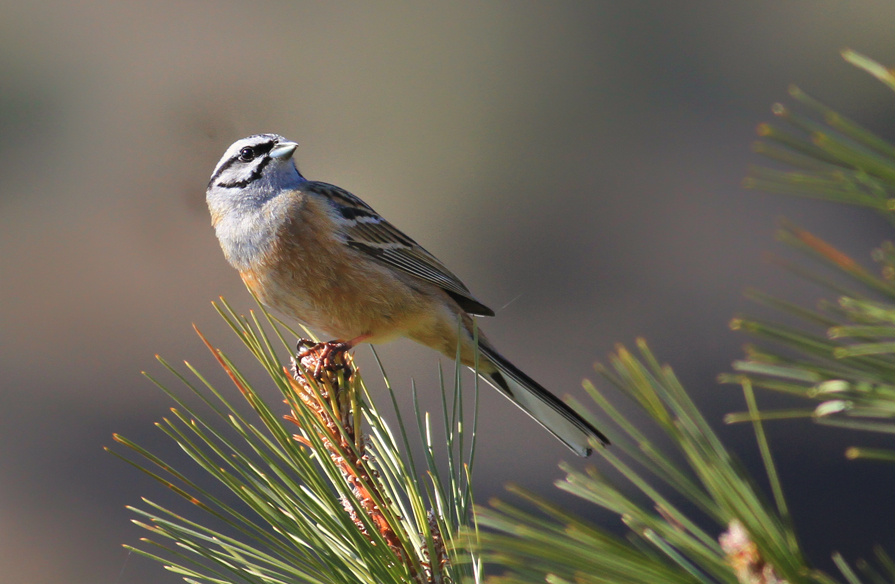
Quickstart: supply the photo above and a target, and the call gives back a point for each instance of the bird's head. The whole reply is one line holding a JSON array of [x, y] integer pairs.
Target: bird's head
[[255, 167]]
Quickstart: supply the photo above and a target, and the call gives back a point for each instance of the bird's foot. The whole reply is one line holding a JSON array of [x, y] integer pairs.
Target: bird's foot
[[321, 357]]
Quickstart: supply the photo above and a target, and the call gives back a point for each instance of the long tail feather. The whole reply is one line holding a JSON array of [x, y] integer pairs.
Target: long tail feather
[[547, 409]]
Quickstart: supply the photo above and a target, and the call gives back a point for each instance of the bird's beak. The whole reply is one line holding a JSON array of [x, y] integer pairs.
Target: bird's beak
[[284, 150]]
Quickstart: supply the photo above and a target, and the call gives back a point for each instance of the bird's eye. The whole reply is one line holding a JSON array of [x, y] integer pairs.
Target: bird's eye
[[247, 154]]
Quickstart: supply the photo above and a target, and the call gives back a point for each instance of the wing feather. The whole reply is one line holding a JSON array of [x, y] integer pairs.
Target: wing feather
[[367, 231]]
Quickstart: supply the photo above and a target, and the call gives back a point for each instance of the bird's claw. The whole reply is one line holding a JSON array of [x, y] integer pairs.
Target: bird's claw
[[321, 356]]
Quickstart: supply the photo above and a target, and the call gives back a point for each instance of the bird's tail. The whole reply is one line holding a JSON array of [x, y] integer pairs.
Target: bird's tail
[[547, 409]]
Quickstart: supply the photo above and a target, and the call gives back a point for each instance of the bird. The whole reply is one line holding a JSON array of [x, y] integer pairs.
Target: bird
[[319, 254]]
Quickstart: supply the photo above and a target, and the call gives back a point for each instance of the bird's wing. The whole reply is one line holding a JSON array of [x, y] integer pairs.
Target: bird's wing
[[366, 231]]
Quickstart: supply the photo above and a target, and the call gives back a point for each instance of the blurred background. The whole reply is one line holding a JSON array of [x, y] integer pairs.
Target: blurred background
[[576, 163]]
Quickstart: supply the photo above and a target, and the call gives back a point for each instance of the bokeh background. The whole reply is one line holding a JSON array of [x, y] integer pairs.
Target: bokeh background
[[576, 163]]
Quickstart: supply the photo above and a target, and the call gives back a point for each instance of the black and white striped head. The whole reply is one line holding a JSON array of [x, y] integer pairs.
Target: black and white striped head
[[258, 163]]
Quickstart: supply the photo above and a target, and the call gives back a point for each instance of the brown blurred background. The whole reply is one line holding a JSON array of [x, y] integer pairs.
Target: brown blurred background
[[576, 163]]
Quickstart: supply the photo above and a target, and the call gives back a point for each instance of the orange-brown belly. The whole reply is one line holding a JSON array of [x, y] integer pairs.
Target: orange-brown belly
[[345, 306]]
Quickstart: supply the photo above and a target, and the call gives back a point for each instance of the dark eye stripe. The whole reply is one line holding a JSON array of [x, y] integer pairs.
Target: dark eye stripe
[[263, 148], [260, 150], [255, 175], [222, 168]]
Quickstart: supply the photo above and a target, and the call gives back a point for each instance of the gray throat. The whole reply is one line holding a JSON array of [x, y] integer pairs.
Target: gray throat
[[248, 225]]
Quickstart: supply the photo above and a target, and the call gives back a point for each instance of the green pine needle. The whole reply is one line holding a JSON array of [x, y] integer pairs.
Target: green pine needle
[[287, 513]]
